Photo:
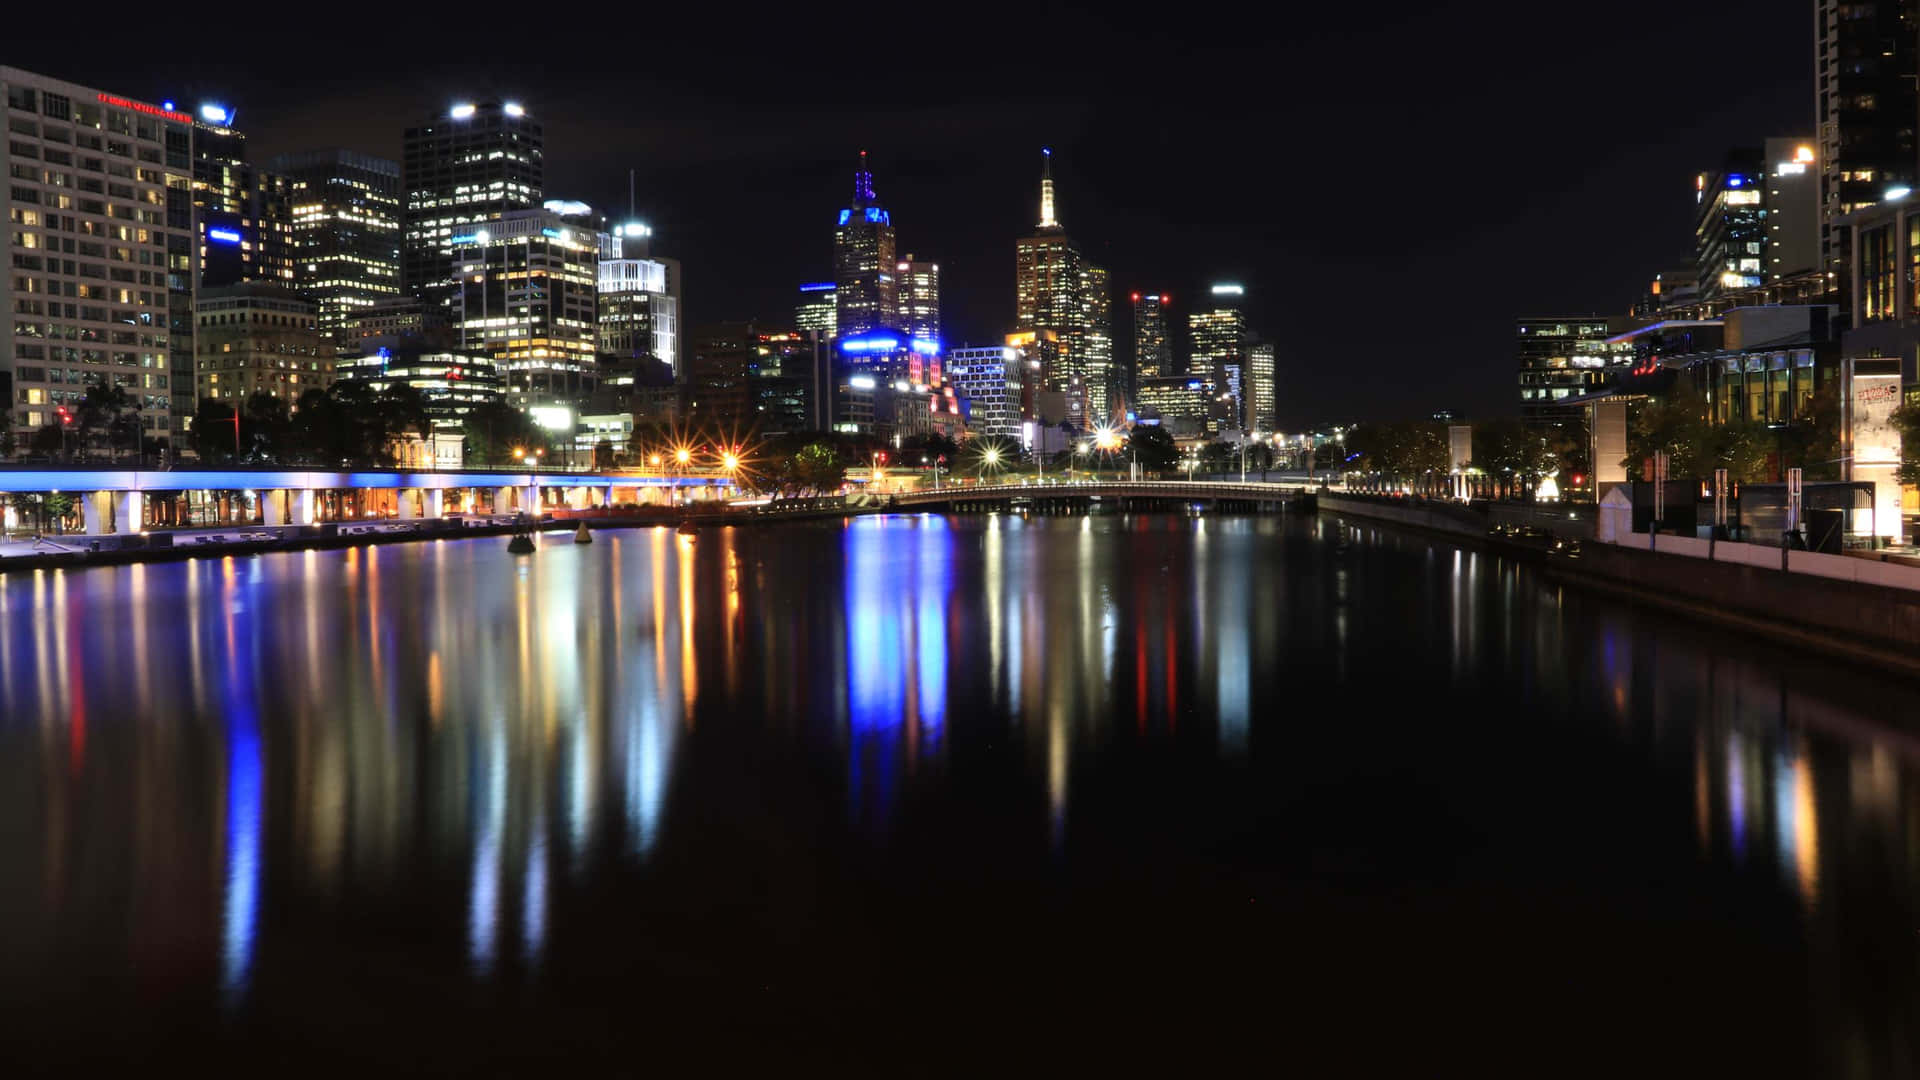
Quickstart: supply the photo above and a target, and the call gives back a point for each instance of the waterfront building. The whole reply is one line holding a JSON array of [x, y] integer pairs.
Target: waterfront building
[[1106, 389], [107, 182], [527, 294], [918, 284], [1219, 334], [1152, 349], [866, 295], [989, 378], [719, 368], [1567, 356], [461, 172], [253, 338], [787, 377], [1865, 109], [815, 312], [346, 235]]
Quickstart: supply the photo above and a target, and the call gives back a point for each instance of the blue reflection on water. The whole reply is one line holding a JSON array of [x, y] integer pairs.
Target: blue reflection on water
[[935, 579], [242, 881]]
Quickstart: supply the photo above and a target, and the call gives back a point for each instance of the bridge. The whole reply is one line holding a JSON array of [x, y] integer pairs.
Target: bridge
[[1253, 496], [130, 500]]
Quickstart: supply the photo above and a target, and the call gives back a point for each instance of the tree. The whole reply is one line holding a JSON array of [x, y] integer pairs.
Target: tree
[[46, 439], [213, 432], [1676, 424], [1906, 421], [1153, 447], [6, 432], [603, 454], [104, 414], [496, 429], [817, 468], [266, 428]]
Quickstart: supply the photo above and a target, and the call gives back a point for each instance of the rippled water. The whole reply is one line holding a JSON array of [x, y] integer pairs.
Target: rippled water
[[940, 790]]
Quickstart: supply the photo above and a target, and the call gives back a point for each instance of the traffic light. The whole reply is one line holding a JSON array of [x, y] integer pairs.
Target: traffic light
[[65, 416]]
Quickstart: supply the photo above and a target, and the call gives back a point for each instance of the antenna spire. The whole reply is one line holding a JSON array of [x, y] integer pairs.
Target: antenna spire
[[1047, 219], [862, 183]]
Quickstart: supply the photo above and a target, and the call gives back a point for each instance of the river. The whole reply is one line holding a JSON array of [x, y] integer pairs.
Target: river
[[929, 788]]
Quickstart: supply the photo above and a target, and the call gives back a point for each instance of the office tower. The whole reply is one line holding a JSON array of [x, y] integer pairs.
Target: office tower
[[918, 284], [346, 234], [720, 394], [253, 337], [1730, 224], [815, 312], [782, 379], [1865, 106], [460, 172], [865, 293], [1793, 208], [1152, 352], [639, 313], [1262, 390], [99, 205], [245, 213], [989, 379], [1057, 290], [1566, 356], [1106, 393], [1219, 348], [527, 294]]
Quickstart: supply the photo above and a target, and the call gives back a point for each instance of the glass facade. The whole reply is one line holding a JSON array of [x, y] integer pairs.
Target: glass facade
[[460, 172], [346, 234]]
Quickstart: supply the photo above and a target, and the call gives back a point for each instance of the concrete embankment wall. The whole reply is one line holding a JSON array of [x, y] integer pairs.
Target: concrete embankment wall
[[1841, 606], [1447, 519]]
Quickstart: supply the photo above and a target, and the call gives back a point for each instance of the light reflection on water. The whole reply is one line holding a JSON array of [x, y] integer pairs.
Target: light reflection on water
[[195, 756]]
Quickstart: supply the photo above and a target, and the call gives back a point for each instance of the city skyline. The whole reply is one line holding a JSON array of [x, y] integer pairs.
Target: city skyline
[[733, 177]]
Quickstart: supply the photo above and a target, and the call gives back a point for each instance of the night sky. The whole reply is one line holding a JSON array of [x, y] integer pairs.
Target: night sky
[[1391, 185]]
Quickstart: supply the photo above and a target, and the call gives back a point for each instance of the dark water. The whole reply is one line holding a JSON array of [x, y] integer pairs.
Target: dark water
[[931, 794]]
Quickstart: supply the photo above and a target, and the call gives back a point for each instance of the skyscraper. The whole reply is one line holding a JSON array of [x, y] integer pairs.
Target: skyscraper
[[1262, 389], [118, 304], [1106, 391], [990, 379], [258, 338], [1152, 353], [1057, 290], [865, 294], [460, 172], [919, 289], [1219, 347], [527, 294], [245, 213], [346, 234], [1865, 105], [639, 313]]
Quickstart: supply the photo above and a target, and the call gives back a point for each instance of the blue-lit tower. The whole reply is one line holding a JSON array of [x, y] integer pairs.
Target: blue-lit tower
[[866, 296]]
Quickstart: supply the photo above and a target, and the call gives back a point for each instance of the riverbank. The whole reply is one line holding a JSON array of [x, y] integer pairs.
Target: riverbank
[[1872, 624]]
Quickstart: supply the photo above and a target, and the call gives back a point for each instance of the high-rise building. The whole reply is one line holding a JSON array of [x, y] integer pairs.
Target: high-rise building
[[459, 173], [527, 294], [1865, 106], [245, 213], [1057, 290], [105, 182], [346, 234], [1220, 348], [1730, 224], [1262, 389], [1152, 351], [989, 378], [1182, 403], [1106, 390], [1793, 208], [918, 284], [866, 296], [253, 337], [639, 314], [815, 312]]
